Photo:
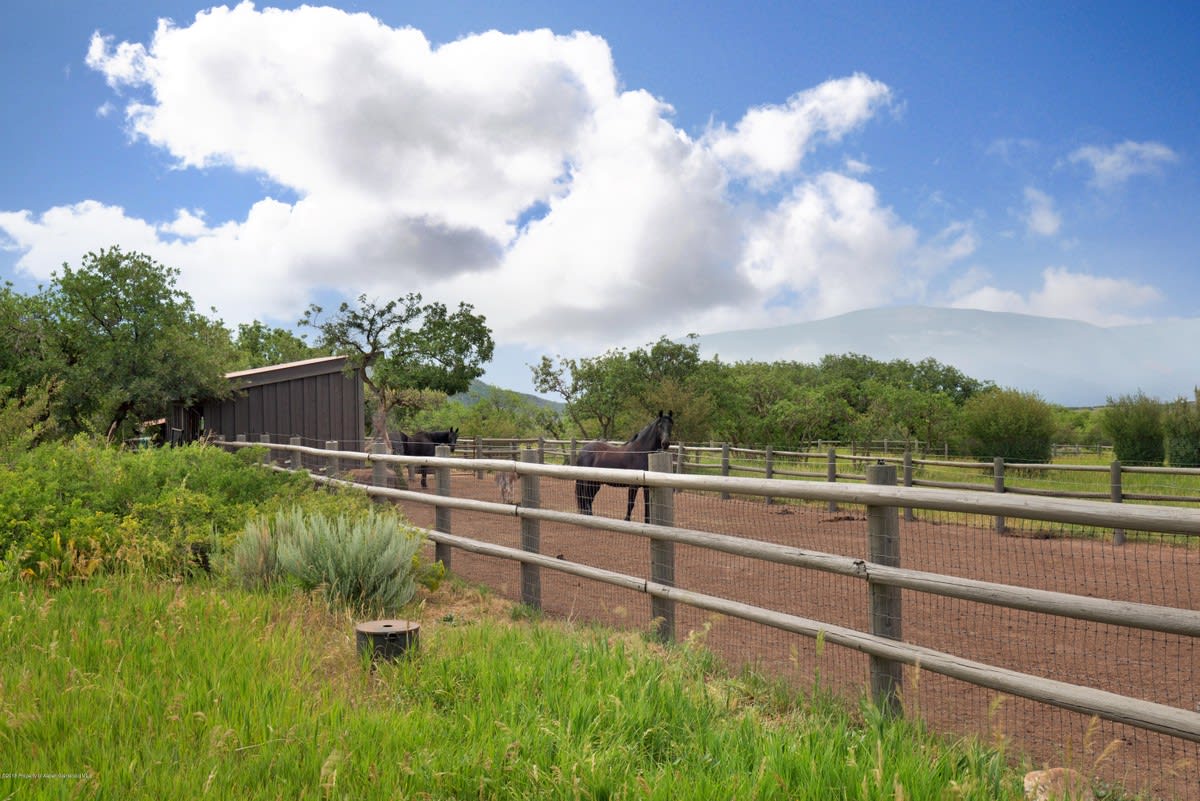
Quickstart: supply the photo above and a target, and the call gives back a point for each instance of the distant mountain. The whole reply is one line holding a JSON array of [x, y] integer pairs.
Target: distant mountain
[[1066, 361]]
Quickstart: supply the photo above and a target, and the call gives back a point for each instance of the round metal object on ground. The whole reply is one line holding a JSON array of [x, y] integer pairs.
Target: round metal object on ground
[[386, 639]]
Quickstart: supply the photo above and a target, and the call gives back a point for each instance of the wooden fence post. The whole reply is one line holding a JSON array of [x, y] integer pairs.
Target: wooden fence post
[[478, 454], [831, 474], [908, 481], [379, 469], [883, 548], [724, 466], [770, 471], [441, 514], [1116, 494], [265, 439], [662, 552], [333, 465], [574, 453], [531, 537], [998, 486], [681, 459], [297, 460]]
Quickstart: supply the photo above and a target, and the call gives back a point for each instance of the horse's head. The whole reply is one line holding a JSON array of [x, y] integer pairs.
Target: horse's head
[[662, 430], [452, 438]]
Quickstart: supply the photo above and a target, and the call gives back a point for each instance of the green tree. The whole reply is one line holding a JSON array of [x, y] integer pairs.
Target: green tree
[[615, 391], [258, 345], [1181, 432], [28, 355], [1016, 425], [1134, 423], [406, 349], [128, 343]]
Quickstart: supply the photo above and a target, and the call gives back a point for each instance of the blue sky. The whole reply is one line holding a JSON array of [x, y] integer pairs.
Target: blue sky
[[591, 175]]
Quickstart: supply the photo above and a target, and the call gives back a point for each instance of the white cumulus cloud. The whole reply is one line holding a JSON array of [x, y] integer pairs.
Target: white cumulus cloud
[[1070, 295], [1040, 216], [1114, 165]]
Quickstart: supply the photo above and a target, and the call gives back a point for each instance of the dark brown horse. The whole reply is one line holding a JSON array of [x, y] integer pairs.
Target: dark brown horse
[[633, 455], [423, 443]]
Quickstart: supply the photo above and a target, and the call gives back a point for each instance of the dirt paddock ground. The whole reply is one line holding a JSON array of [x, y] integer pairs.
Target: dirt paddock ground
[[1148, 569]]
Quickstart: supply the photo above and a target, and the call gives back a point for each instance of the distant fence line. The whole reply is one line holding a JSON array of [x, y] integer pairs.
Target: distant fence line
[[729, 460], [883, 501]]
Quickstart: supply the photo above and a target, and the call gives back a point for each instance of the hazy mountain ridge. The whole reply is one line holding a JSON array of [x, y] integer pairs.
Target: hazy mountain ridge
[[1066, 361]]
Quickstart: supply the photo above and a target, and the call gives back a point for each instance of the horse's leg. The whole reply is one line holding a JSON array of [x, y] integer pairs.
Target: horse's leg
[[646, 498], [585, 493], [424, 471], [632, 498]]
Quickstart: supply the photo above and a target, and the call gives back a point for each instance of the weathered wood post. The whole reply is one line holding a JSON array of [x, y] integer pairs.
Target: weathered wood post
[[531, 535], [574, 452], [680, 459], [770, 471], [333, 465], [998, 486], [883, 548], [297, 461], [541, 450], [662, 552], [478, 455], [1116, 494], [265, 439], [725, 466], [441, 514], [379, 469], [831, 473], [908, 481]]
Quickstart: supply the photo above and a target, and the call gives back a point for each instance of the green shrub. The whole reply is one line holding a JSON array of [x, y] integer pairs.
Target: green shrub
[[253, 559], [1134, 423], [69, 510], [367, 561], [1018, 426]]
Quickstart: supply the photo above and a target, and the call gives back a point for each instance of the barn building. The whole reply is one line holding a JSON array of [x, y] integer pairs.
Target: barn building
[[316, 399]]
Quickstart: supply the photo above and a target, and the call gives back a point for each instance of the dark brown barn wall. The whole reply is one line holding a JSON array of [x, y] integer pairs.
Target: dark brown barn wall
[[314, 400]]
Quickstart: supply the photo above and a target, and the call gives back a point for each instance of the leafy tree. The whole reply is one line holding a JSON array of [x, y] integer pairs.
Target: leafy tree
[[260, 346], [1181, 432], [405, 349], [607, 394], [127, 343], [1134, 423], [1006, 422]]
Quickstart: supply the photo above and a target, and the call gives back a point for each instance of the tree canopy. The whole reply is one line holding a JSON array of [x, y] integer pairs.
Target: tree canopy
[[124, 343]]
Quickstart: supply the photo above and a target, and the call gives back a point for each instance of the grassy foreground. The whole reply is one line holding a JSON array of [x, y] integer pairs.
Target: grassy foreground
[[128, 688]]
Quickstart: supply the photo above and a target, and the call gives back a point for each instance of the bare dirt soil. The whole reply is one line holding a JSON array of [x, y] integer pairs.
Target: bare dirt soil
[[1148, 569]]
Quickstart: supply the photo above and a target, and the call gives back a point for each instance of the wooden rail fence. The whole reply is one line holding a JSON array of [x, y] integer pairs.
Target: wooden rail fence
[[883, 501]]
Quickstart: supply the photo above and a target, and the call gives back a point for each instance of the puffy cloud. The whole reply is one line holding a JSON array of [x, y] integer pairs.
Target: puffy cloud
[[770, 141], [1065, 294], [507, 170], [1113, 166], [832, 247], [1040, 217]]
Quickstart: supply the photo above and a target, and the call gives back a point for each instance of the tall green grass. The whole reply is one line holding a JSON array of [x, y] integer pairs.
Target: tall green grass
[[132, 689]]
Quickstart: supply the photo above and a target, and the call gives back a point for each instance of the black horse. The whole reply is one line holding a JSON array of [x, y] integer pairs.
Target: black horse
[[633, 455], [423, 443]]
